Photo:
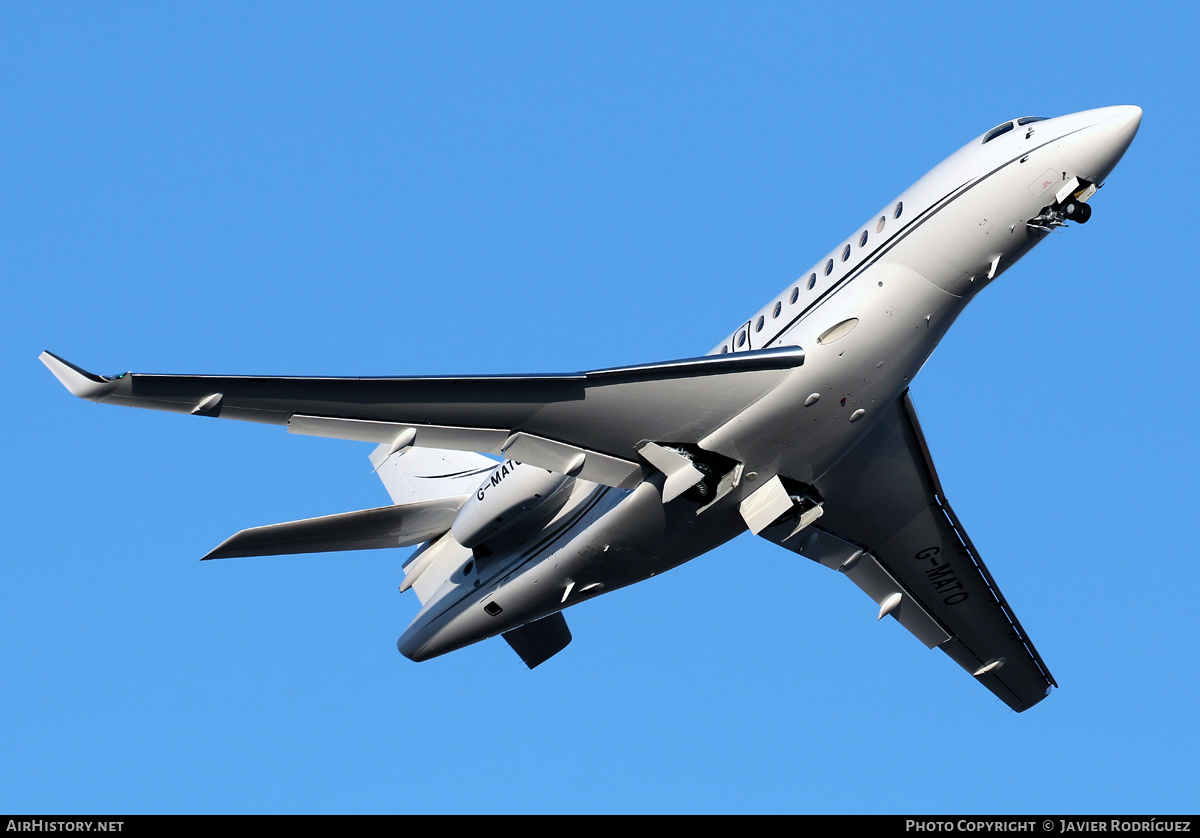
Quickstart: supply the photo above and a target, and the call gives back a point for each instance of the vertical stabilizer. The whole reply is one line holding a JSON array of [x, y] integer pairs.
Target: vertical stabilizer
[[419, 474]]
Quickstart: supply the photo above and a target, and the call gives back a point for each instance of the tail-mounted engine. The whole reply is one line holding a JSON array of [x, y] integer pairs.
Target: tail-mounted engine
[[514, 500]]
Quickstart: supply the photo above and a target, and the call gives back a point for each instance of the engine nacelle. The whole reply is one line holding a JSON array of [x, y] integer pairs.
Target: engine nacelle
[[515, 499]]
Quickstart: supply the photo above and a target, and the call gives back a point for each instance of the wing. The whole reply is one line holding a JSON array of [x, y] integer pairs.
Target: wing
[[887, 526], [590, 424]]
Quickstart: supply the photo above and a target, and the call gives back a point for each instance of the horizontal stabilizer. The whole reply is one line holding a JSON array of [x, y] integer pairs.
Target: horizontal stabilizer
[[540, 640], [366, 529]]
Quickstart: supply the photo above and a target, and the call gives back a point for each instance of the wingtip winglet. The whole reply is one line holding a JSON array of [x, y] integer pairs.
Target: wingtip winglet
[[77, 380]]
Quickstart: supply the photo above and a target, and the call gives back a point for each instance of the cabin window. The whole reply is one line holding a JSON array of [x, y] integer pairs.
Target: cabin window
[[862, 240], [812, 281], [724, 350], [741, 338], [879, 224], [829, 267], [899, 209], [997, 131], [758, 326], [846, 253], [778, 308], [795, 294]]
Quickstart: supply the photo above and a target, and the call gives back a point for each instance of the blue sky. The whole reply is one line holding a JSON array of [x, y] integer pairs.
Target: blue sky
[[403, 189]]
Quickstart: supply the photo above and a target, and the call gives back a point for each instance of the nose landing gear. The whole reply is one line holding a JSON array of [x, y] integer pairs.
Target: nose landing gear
[[1070, 204], [1057, 215]]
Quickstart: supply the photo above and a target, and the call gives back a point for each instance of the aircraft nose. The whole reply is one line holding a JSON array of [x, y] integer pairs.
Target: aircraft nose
[[1094, 151], [1133, 114]]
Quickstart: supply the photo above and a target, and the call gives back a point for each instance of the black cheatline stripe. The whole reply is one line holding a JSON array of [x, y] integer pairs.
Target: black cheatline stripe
[[455, 474]]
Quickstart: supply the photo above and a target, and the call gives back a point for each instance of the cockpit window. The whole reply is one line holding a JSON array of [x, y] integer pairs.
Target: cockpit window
[[1025, 120], [997, 131]]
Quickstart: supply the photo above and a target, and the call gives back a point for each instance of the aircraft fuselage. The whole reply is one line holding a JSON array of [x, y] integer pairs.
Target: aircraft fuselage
[[868, 316]]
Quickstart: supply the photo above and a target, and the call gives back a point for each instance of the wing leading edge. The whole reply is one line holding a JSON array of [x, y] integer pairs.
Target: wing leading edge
[[590, 424], [888, 527]]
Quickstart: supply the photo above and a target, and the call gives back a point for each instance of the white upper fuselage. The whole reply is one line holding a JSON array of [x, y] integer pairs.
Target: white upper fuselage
[[868, 315], [988, 188]]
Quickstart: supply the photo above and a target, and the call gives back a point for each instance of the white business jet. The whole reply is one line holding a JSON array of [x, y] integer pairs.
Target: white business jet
[[798, 427]]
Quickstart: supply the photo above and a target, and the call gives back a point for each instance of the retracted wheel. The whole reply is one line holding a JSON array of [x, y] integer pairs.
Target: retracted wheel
[[702, 491]]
